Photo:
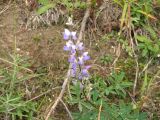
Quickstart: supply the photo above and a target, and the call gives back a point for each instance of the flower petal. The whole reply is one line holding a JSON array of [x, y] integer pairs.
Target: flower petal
[[66, 48], [66, 34], [85, 73], [74, 37], [80, 46], [74, 66], [72, 59], [85, 56], [80, 61]]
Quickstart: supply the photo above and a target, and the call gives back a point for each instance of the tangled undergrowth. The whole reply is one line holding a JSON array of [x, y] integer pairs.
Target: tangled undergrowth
[[122, 81]]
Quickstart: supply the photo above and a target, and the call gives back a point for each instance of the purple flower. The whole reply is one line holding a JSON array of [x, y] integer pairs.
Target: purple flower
[[70, 47], [74, 66], [85, 56], [73, 73], [80, 60], [67, 34], [73, 34], [72, 58], [74, 69], [85, 71], [79, 46]]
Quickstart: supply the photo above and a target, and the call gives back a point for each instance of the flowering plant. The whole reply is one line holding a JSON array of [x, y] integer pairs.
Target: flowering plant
[[77, 55]]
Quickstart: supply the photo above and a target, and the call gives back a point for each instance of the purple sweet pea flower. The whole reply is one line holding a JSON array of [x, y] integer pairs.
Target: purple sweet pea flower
[[85, 71], [74, 69], [85, 56], [66, 34], [68, 45], [80, 60], [73, 34], [79, 46], [74, 66], [72, 58], [73, 49]]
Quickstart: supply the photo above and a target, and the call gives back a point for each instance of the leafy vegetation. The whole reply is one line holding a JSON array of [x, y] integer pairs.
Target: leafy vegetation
[[12, 103]]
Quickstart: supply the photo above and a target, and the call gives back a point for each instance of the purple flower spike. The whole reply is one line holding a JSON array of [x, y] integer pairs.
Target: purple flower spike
[[74, 37], [85, 56], [77, 56], [66, 34]]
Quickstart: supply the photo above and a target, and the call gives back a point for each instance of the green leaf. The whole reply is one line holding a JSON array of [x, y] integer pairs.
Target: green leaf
[[43, 2], [152, 32], [19, 113], [144, 52], [43, 9], [143, 39]]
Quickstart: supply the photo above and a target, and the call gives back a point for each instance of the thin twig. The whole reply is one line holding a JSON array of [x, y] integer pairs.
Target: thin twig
[[146, 66], [118, 53], [152, 80], [6, 61], [136, 77], [99, 113], [60, 95], [44, 93], [84, 21], [69, 113], [83, 24], [6, 8], [36, 97]]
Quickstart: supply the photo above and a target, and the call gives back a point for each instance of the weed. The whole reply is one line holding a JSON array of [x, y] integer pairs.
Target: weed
[[45, 5], [106, 59], [149, 45], [12, 103], [95, 100]]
